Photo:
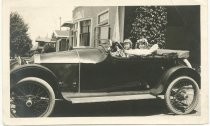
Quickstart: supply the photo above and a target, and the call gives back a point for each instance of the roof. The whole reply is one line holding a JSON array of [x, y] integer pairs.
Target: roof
[[44, 39], [60, 33], [67, 24]]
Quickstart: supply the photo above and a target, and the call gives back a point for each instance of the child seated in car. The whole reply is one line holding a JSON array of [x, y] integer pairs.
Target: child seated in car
[[127, 44], [142, 48], [142, 44]]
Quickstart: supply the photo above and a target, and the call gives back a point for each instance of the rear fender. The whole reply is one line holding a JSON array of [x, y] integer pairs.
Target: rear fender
[[171, 74], [34, 70]]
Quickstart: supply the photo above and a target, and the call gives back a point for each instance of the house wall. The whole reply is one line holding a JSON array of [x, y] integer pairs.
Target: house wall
[[57, 46], [86, 12]]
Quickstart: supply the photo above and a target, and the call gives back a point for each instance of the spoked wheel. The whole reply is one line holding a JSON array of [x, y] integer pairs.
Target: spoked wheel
[[31, 97], [182, 95]]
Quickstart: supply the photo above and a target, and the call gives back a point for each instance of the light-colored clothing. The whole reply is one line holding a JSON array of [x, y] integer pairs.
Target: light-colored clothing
[[142, 52]]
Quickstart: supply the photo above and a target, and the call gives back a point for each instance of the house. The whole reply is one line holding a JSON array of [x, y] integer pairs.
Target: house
[[42, 41], [62, 39], [92, 26]]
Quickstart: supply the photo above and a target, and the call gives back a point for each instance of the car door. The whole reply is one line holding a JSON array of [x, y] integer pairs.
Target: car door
[[113, 75]]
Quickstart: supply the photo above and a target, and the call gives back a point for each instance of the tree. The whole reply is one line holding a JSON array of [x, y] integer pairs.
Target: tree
[[150, 23], [20, 42]]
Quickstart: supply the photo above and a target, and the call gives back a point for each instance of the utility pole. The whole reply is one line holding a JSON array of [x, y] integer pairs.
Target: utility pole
[[60, 23]]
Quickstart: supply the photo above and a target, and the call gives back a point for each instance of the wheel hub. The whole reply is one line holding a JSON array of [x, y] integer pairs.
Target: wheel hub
[[31, 97], [182, 95], [29, 102]]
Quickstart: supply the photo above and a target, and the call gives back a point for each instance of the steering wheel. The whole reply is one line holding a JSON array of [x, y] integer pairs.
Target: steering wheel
[[117, 47], [122, 53]]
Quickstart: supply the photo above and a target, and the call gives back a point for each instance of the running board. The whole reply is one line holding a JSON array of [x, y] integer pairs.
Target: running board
[[99, 94], [110, 98]]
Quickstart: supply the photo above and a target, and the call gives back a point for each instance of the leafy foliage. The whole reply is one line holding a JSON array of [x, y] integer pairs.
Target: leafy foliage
[[150, 23], [20, 42]]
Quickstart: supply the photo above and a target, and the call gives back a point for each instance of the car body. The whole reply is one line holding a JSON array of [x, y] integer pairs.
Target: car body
[[93, 75]]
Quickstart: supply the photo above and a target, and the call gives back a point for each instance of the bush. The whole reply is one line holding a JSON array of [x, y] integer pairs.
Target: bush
[[150, 23]]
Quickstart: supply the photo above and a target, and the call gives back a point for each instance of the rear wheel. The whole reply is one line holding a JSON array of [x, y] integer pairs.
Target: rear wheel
[[31, 97], [182, 95]]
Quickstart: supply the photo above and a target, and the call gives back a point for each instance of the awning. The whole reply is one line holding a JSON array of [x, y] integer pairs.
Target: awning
[[67, 24]]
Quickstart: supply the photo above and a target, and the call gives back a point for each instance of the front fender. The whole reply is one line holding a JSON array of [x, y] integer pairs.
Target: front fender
[[35, 70], [170, 74]]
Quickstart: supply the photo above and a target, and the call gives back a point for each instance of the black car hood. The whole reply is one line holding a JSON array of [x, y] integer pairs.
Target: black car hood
[[85, 55]]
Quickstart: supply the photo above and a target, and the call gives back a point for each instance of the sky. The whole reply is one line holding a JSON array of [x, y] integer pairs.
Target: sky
[[42, 17]]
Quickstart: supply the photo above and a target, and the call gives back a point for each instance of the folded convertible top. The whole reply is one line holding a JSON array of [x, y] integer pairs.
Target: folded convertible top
[[183, 54]]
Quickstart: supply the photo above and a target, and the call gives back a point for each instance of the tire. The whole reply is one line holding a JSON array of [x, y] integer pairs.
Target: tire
[[31, 97], [177, 99]]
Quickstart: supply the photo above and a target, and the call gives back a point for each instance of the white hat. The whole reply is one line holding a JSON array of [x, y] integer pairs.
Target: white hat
[[127, 41]]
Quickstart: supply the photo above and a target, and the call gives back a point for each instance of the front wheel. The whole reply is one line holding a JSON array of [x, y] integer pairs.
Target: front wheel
[[31, 97], [182, 95]]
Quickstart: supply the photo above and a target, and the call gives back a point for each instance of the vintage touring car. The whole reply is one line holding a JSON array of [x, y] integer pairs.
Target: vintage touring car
[[95, 75]]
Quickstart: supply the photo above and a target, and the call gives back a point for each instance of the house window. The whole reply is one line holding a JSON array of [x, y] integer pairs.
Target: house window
[[102, 35], [85, 33], [103, 18], [81, 33]]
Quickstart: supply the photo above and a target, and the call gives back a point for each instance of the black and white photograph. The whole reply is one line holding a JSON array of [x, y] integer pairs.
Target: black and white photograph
[[76, 60]]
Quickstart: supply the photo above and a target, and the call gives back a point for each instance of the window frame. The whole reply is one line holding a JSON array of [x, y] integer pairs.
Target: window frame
[[79, 32], [98, 17], [109, 33]]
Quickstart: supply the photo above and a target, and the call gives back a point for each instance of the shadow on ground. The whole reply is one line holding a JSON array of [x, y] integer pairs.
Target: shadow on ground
[[146, 107]]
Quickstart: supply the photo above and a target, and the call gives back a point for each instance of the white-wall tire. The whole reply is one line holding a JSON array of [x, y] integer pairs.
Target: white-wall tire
[[169, 97], [29, 100]]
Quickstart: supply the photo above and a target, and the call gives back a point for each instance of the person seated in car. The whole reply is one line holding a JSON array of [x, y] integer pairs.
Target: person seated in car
[[142, 44], [142, 48], [127, 44], [116, 49]]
